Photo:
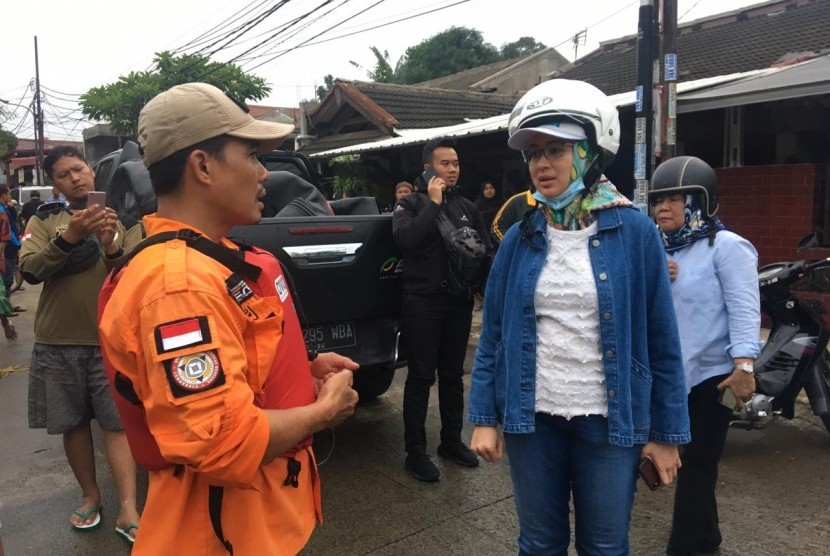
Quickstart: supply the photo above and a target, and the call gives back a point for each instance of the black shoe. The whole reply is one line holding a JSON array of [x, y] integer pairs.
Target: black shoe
[[459, 453], [422, 468]]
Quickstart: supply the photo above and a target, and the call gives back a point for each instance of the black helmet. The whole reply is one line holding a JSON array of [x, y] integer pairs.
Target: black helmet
[[682, 173]]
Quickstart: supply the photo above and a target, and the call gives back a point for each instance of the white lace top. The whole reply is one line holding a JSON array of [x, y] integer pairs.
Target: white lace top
[[570, 380]]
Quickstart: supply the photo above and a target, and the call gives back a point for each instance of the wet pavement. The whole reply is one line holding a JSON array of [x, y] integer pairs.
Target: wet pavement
[[773, 495]]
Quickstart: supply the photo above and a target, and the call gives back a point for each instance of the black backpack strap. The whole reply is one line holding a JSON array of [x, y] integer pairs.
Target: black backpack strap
[[215, 495], [230, 258]]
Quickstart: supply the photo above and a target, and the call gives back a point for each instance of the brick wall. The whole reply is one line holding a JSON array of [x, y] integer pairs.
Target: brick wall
[[771, 206], [774, 207]]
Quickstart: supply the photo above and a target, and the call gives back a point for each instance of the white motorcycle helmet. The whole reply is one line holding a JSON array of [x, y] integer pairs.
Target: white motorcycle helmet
[[574, 102]]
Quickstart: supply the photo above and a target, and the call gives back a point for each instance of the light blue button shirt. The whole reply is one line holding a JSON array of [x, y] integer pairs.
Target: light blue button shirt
[[717, 302]]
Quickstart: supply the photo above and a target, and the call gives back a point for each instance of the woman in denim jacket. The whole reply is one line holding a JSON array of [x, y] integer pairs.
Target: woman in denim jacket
[[579, 359]]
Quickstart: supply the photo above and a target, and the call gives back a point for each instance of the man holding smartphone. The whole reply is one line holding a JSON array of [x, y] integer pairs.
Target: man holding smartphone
[[70, 249], [436, 323]]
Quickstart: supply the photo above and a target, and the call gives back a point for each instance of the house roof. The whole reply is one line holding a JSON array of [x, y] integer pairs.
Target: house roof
[[356, 111], [463, 80], [750, 38], [420, 107]]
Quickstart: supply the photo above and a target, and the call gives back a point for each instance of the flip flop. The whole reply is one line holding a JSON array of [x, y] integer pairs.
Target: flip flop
[[124, 533], [85, 515]]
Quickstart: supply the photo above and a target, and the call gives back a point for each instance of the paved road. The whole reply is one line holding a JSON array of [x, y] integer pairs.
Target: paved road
[[774, 490]]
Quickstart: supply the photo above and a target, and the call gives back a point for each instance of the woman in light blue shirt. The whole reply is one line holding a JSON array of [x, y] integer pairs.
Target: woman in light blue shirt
[[717, 302]]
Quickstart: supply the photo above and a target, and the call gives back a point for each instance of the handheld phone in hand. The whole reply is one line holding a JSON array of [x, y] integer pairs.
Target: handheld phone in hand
[[649, 474], [727, 399], [97, 198], [427, 175]]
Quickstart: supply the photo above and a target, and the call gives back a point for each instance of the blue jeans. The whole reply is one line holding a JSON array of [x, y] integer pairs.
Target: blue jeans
[[572, 456]]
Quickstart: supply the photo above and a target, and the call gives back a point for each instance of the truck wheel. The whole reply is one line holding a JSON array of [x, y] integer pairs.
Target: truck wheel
[[373, 380]]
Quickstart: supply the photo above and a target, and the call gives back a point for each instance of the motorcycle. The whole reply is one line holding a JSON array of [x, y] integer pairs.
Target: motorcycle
[[795, 353]]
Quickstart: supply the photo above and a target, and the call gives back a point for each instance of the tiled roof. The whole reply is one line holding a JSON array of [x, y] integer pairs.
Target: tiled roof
[[29, 144], [753, 37], [463, 80], [414, 106]]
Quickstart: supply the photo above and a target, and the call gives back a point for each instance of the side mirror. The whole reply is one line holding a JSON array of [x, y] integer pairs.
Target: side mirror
[[809, 241]]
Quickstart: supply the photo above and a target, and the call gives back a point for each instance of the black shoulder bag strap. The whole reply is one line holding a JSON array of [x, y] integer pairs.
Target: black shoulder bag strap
[[445, 226]]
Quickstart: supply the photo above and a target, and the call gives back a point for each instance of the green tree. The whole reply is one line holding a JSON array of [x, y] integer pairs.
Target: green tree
[[8, 142], [448, 52], [119, 103], [383, 72], [323, 90], [522, 47]]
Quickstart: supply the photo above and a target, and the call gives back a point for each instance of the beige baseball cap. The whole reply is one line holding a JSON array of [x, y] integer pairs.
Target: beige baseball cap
[[194, 112]]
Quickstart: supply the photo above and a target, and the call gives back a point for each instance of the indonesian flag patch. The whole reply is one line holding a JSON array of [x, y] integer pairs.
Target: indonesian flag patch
[[183, 333]]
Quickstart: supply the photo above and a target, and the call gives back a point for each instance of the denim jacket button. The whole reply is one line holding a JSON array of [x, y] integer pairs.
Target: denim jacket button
[[609, 354], [603, 276], [611, 393], [595, 243], [606, 316]]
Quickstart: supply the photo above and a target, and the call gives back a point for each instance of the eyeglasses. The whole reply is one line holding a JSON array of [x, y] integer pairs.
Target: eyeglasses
[[551, 151]]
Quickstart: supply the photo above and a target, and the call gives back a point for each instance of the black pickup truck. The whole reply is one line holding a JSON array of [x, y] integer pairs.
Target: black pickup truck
[[340, 256]]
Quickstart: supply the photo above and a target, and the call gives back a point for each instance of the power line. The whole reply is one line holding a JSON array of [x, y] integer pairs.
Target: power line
[[247, 26], [289, 25], [307, 43], [594, 24], [690, 9], [207, 35], [327, 2]]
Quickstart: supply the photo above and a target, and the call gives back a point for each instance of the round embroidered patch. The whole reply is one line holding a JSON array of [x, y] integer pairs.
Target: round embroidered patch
[[196, 371]]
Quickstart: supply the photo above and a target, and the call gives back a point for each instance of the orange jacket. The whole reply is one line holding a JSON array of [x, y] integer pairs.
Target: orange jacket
[[197, 358]]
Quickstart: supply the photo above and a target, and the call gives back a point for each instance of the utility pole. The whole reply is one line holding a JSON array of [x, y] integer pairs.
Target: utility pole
[[38, 124], [668, 83], [643, 116]]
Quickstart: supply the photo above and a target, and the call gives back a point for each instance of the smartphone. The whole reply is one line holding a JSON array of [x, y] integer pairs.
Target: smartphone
[[649, 474], [97, 198], [427, 175], [727, 399]]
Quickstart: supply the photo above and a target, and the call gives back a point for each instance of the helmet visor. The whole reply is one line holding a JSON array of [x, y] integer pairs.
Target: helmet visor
[[561, 130]]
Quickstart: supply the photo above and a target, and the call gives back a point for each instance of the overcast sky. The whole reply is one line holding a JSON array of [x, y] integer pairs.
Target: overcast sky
[[87, 43]]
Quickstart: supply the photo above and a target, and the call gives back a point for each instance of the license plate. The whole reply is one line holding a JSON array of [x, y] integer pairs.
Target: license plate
[[325, 337]]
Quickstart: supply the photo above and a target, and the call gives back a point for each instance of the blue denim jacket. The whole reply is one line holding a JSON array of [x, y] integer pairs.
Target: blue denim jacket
[[638, 332]]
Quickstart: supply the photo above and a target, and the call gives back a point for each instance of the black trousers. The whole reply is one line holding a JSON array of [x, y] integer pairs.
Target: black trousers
[[436, 330], [695, 522]]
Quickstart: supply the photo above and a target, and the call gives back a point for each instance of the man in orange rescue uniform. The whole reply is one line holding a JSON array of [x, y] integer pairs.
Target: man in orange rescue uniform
[[198, 352]]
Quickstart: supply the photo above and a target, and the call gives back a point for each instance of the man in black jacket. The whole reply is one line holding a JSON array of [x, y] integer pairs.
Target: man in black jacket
[[436, 323], [30, 207]]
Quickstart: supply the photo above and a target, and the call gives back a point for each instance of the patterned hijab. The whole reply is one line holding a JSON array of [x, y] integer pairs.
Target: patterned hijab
[[694, 228], [574, 208]]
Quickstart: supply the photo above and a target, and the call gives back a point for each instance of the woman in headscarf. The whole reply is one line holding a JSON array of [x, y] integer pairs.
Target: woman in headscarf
[[717, 301], [579, 358]]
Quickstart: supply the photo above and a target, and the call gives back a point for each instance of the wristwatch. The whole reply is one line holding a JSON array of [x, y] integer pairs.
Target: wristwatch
[[748, 368]]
